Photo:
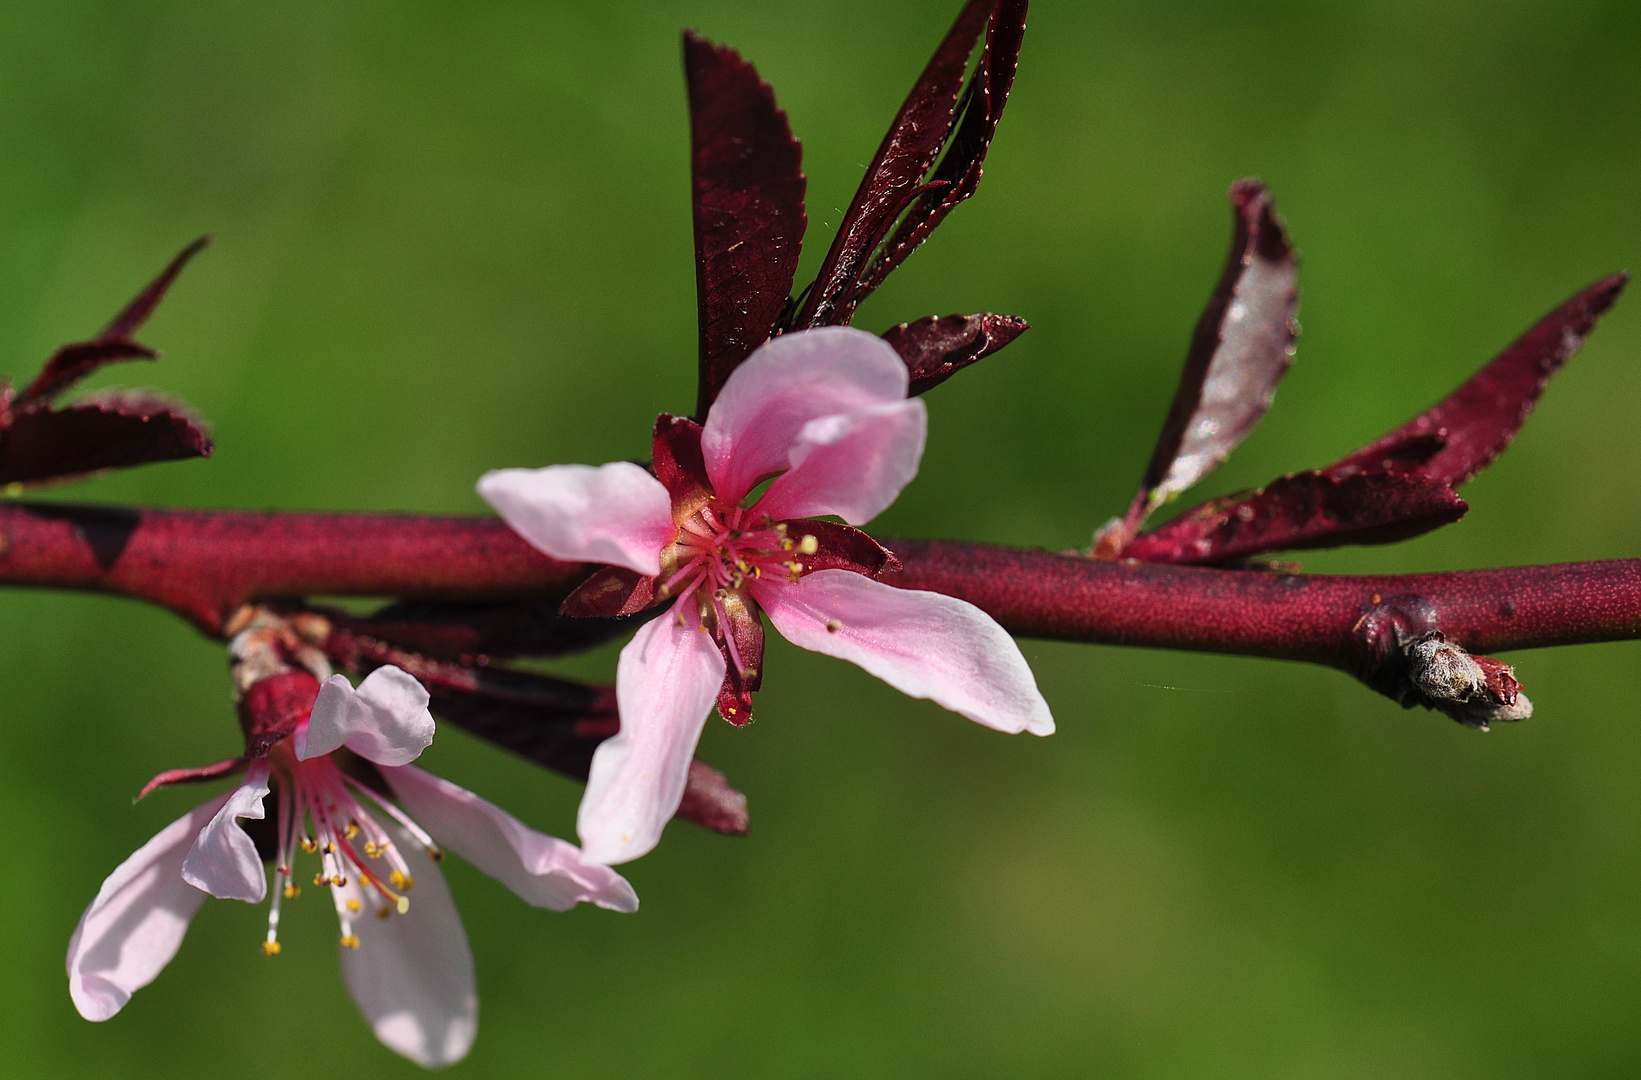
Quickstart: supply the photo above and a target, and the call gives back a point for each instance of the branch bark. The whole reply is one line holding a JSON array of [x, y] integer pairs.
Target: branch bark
[[204, 565]]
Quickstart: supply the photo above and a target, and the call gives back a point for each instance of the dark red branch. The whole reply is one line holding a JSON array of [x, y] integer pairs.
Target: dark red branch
[[204, 565]]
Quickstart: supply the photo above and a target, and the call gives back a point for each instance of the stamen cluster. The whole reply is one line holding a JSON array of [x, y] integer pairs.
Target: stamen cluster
[[324, 811]]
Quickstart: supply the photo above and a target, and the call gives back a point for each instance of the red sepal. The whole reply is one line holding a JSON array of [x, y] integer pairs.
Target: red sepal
[[273, 708], [611, 591], [679, 465], [192, 776], [839, 547], [740, 683]]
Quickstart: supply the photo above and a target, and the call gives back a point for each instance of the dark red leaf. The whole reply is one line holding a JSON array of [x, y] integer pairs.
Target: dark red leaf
[[104, 431], [747, 172], [611, 591], [897, 176], [472, 633], [958, 175], [1460, 436], [679, 465], [838, 547], [937, 347], [191, 776], [72, 363], [1305, 510], [1242, 347]]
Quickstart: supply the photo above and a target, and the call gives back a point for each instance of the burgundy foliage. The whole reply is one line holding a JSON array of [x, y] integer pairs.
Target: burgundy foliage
[[1242, 347], [903, 178], [936, 347], [1398, 486], [1306, 510], [1460, 436], [466, 591], [748, 196], [102, 431]]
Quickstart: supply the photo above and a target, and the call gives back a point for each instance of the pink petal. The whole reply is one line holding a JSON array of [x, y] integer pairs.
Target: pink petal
[[385, 720], [412, 974], [616, 514], [852, 464], [665, 685], [223, 860], [921, 643], [752, 427], [542, 870], [135, 925]]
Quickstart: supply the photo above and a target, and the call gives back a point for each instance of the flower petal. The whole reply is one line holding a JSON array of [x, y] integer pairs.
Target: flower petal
[[616, 514], [665, 685], [853, 464], [542, 870], [385, 720], [135, 925], [752, 427], [223, 860], [923, 644], [412, 974]]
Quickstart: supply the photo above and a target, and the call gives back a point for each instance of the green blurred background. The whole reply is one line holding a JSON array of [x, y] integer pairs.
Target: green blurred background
[[452, 237]]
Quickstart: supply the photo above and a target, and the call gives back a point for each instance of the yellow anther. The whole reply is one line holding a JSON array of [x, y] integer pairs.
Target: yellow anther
[[352, 905], [330, 848], [786, 545], [321, 879], [808, 545], [351, 941], [403, 904], [292, 891], [370, 849], [833, 627], [353, 830], [270, 948], [435, 854], [401, 881], [308, 845], [384, 911], [338, 880]]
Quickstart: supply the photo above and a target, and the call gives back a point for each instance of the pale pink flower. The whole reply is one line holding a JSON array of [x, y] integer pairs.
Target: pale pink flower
[[403, 951], [825, 414]]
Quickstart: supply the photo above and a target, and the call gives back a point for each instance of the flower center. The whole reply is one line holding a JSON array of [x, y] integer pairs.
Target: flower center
[[717, 552], [325, 812], [720, 549]]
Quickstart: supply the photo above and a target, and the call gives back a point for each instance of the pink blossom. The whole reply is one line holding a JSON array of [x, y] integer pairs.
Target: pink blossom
[[403, 951], [824, 415]]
